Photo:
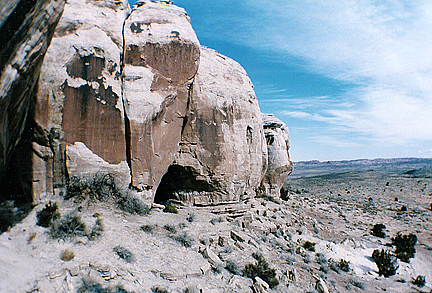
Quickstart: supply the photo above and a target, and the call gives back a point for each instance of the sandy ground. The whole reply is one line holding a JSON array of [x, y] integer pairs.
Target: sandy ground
[[190, 251]]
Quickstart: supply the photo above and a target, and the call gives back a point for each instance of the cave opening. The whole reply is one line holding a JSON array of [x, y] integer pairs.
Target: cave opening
[[179, 182]]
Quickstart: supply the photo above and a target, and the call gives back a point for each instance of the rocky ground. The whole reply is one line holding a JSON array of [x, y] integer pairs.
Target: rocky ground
[[325, 219]]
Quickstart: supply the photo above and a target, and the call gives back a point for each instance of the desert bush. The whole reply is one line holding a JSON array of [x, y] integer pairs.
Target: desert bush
[[99, 186], [97, 229], [217, 220], [132, 205], [190, 218], [357, 284], [324, 268], [159, 290], [321, 259], [232, 267], [261, 269], [309, 246], [170, 228], [405, 246], [386, 263], [183, 239], [67, 255], [419, 281], [378, 230], [333, 265], [91, 286], [68, 227], [148, 228], [124, 253], [170, 208], [47, 215], [403, 208], [344, 265]]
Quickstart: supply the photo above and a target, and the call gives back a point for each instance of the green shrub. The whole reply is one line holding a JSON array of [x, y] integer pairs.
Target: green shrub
[[217, 220], [47, 215], [357, 284], [321, 259], [90, 286], [261, 269], [99, 186], [333, 265], [378, 230], [132, 205], [191, 217], [183, 239], [419, 281], [386, 263], [158, 290], [170, 208], [232, 267], [405, 246], [309, 246], [344, 265], [148, 228], [68, 227], [170, 228], [97, 230], [124, 253]]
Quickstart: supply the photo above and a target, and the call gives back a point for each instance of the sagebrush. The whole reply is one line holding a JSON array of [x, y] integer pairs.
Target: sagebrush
[[386, 263], [47, 215], [261, 269]]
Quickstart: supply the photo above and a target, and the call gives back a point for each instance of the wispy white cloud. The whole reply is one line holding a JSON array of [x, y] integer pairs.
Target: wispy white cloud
[[383, 46]]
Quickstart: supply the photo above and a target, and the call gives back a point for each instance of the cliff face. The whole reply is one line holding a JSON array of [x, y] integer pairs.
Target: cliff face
[[26, 29], [133, 93]]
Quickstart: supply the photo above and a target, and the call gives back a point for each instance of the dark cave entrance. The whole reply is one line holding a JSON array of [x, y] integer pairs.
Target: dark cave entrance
[[180, 180]]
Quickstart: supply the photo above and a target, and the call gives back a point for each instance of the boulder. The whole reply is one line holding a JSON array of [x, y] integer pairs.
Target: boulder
[[79, 96], [26, 29], [279, 161]]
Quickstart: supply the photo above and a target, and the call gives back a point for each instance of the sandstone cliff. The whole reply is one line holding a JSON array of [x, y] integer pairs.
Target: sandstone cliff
[[133, 93], [26, 29]]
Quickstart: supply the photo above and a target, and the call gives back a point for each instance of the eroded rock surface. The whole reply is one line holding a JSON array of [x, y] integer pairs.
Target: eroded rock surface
[[26, 29], [161, 60], [79, 97], [222, 140], [279, 161], [133, 93]]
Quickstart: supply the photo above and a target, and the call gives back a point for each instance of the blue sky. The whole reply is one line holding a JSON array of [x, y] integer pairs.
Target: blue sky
[[351, 78]]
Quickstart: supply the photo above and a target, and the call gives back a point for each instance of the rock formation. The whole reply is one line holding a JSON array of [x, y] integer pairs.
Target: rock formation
[[279, 161], [133, 93], [26, 29], [79, 97]]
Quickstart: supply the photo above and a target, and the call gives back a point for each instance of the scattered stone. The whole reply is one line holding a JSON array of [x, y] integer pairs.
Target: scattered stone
[[260, 286], [236, 236], [321, 286], [222, 241], [301, 251], [212, 257]]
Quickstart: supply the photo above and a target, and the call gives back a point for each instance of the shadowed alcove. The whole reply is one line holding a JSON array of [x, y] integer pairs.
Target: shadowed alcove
[[179, 182]]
